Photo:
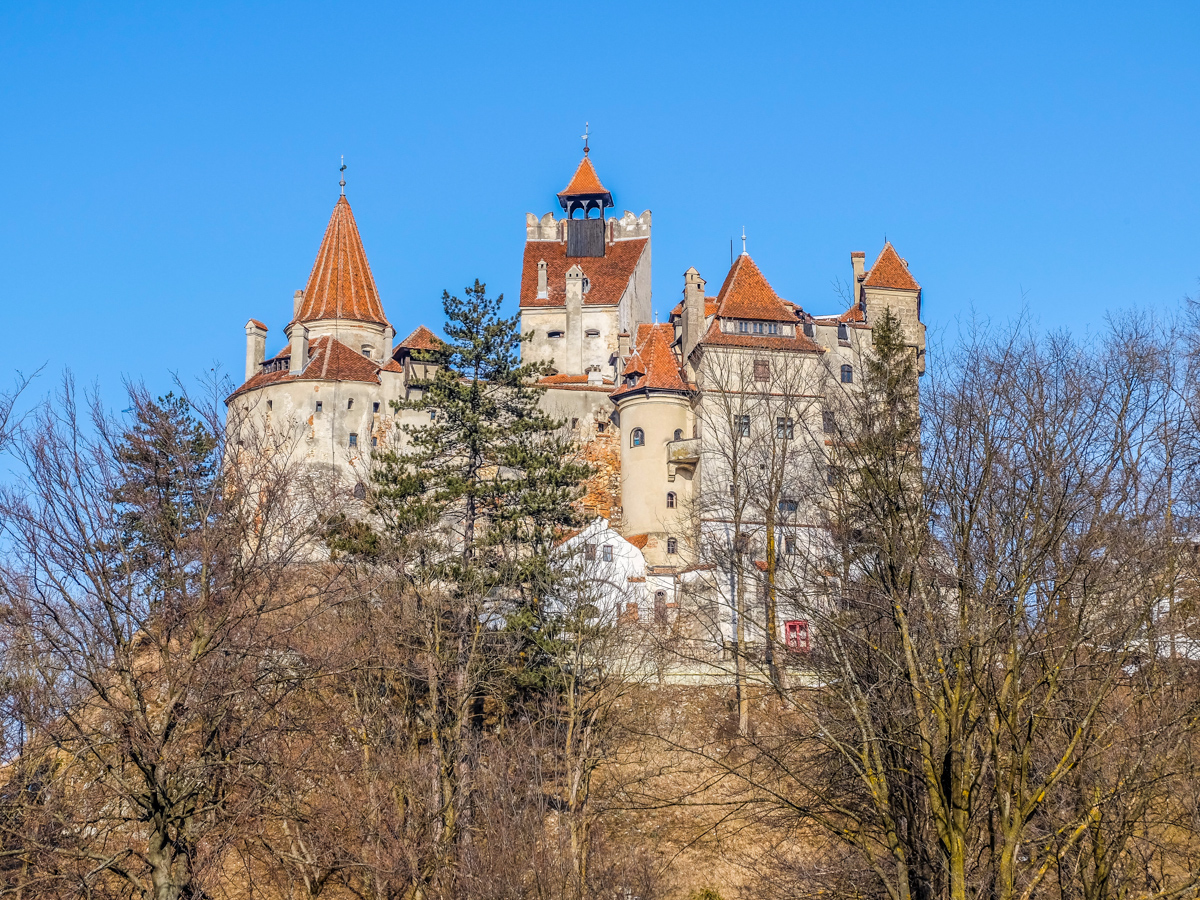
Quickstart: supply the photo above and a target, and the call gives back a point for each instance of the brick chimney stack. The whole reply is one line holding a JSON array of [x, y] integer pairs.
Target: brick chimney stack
[[571, 362], [256, 347], [693, 311], [298, 337]]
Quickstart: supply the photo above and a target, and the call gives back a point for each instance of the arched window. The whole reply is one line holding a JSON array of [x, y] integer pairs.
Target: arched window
[[638, 438], [847, 374], [672, 546], [360, 491], [679, 434], [670, 499]]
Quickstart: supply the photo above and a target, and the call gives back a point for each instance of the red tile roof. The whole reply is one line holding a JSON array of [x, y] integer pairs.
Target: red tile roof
[[568, 379], [584, 181], [799, 342], [421, 339], [659, 362], [341, 285], [890, 271], [710, 307], [608, 276], [853, 314], [258, 324], [746, 294], [330, 360], [639, 541]]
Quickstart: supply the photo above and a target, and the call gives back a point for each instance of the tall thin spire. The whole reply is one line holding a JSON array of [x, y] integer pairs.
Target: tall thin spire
[[743, 240], [342, 183], [585, 138]]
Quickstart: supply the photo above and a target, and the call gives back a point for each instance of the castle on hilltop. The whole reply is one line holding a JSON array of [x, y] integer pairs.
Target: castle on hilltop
[[661, 408]]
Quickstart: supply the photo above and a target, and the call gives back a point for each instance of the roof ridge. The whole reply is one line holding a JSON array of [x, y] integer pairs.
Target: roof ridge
[[584, 181], [890, 271]]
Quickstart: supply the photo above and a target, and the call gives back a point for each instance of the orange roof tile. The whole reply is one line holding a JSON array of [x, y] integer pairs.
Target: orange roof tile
[[568, 379], [330, 360], [608, 276], [710, 307], [639, 541], [799, 342], [661, 366], [890, 271], [421, 339], [258, 324], [584, 181], [340, 285], [853, 314], [746, 294]]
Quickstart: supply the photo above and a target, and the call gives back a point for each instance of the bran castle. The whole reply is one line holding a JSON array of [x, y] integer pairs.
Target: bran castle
[[689, 424]]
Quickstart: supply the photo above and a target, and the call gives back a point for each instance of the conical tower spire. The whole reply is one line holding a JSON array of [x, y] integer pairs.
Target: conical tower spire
[[341, 285]]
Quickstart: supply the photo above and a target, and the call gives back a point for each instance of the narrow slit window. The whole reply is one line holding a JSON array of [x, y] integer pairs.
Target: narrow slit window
[[318, 406]]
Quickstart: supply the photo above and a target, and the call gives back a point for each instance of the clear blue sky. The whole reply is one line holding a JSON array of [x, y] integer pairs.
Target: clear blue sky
[[170, 168]]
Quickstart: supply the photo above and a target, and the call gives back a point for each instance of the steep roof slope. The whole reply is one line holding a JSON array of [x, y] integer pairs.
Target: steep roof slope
[[607, 275], [890, 271], [341, 285]]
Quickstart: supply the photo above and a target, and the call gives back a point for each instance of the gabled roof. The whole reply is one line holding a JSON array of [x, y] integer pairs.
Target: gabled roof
[[890, 271], [341, 285], [421, 339], [659, 369], [585, 182], [746, 294], [608, 275]]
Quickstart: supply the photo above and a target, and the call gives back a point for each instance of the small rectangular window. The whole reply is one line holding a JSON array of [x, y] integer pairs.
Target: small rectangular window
[[318, 406], [762, 370], [589, 551], [375, 406], [787, 507], [833, 475], [758, 327], [743, 327], [773, 328], [374, 441], [795, 635], [353, 439], [554, 334], [827, 421], [789, 546], [842, 334], [672, 546], [741, 425], [606, 553], [784, 428]]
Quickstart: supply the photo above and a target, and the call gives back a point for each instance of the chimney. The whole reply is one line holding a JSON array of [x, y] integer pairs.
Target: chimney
[[858, 259], [256, 347], [543, 287], [571, 362], [693, 311], [298, 336], [297, 302]]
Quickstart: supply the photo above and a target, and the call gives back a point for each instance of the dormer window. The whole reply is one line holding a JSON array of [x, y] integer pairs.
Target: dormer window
[[743, 327], [367, 350], [758, 327], [772, 328]]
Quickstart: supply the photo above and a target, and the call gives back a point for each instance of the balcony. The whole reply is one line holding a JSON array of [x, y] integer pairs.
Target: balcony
[[682, 454]]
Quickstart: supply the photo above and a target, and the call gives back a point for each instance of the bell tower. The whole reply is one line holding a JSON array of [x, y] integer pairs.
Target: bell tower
[[585, 195]]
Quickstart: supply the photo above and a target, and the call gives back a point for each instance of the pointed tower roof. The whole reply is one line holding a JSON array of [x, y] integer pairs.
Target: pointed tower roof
[[890, 271], [585, 182], [341, 285], [654, 364], [746, 294]]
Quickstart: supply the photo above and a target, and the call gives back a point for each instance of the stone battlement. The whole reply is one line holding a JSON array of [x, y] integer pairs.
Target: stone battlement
[[551, 228]]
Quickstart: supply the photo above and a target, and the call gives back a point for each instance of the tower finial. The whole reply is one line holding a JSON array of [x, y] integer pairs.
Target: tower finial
[[743, 240], [342, 183], [585, 138]]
